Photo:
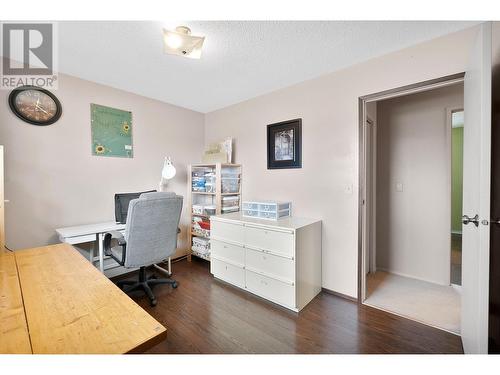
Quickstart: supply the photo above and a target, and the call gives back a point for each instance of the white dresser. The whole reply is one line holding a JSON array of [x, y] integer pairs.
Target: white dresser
[[276, 260]]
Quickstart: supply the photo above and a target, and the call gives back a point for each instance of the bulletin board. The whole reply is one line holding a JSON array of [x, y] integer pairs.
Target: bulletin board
[[111, 132]]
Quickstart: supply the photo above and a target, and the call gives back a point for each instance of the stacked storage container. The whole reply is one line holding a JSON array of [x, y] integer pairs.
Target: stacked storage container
[[270, 210], [201, 246], [230, 182], [230, 203], [215, 190]]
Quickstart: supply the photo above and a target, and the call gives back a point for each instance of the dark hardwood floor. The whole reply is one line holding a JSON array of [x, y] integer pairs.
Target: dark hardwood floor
[[204, 315]]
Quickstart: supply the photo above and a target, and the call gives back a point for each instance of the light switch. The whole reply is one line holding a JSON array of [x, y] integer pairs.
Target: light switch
[[399, 187], [348, 189]]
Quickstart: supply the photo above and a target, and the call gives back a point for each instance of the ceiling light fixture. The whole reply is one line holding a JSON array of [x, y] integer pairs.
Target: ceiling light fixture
[[181, 43]]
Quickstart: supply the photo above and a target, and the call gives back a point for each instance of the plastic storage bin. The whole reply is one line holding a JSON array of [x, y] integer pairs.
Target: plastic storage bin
[[198, 209], [251, 213], [250, 206], [230, 185], [275, 206], [210, 210], [273, 215], [198, 183], [270, 210], [231, 201], [228, 209], [201, 245], [210, 187]]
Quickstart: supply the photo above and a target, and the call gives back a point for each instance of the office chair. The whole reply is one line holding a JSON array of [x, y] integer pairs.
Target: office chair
[[150, 237]]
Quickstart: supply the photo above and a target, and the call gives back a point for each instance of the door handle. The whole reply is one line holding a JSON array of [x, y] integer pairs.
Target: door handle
[[496, 221], [466, 220]]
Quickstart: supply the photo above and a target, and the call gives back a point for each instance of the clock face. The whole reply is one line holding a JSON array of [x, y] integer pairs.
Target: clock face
[[35, 105]]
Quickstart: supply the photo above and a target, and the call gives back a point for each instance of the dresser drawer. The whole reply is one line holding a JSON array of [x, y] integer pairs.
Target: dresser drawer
[[274, 266], [277, 242], [228, 272], [227, 231], [269, 288], [233, 253]]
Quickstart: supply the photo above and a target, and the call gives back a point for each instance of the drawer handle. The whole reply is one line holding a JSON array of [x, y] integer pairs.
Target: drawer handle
[[225, 247], [226, 268]]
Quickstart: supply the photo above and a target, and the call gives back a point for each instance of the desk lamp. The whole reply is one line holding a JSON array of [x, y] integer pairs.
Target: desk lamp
[[168, 172]]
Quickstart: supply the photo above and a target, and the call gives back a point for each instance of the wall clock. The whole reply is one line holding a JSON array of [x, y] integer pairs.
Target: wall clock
[[35, 105]]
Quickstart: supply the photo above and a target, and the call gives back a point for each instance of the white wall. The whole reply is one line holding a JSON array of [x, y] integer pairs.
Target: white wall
[[52, 180], [328, 107], [413, 148]]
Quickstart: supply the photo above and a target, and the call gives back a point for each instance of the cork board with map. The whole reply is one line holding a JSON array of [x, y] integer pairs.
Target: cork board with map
[[111, 131]]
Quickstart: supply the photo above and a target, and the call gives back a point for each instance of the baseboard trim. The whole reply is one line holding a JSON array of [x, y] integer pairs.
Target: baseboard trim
[[341, 295], [411, 276]]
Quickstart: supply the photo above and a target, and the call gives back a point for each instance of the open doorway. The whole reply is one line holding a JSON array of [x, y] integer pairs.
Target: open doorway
[[456, 121], [410, 242]]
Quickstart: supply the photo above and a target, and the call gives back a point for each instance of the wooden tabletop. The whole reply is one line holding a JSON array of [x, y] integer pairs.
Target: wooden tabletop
[[14, 336], [72, 308]]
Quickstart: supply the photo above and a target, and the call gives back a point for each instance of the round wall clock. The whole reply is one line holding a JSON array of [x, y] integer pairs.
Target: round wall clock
[[35, 105]]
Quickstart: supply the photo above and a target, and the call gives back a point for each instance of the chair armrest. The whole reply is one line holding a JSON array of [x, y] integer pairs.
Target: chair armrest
[[120, 241]]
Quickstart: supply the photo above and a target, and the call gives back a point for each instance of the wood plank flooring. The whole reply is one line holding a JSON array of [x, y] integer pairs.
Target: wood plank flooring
[[204, 315]]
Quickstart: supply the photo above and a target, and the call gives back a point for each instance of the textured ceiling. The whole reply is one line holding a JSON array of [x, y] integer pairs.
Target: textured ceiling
[[240, 60]]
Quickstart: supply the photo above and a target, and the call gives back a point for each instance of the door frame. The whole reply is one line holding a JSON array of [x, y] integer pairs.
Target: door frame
[[371, 210], [364, 221]]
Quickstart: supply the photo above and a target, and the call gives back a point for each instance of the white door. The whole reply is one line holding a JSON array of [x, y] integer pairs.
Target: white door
[[476, 195]]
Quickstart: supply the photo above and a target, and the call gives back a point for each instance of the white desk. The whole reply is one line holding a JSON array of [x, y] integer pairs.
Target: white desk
[[90, 233], [95, 233]]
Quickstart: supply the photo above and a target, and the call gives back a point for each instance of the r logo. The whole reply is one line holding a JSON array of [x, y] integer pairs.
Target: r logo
[[28, 48]]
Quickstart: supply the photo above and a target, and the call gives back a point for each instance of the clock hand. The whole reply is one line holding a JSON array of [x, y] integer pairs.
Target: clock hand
[[40, 108]]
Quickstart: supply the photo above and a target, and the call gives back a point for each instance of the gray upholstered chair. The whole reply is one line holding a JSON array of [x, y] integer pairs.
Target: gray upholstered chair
[[150, 237]]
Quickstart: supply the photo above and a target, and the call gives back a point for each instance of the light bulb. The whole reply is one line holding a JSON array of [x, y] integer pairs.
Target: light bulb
[[173, 40]]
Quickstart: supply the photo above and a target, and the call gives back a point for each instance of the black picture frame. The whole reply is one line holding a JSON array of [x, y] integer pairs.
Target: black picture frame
[[289, 154]]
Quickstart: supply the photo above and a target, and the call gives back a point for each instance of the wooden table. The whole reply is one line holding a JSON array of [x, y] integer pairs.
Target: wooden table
[[14, 336], [73, 308]]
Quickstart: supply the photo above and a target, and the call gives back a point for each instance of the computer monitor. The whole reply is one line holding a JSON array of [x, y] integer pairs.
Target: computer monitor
[[121, 204]]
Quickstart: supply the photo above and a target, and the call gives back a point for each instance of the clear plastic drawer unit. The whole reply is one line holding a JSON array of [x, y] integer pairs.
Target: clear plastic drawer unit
[[270, 210]]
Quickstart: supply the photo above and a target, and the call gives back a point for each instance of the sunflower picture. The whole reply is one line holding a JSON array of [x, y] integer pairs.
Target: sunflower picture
[[125, 127], [111, 132], [100, 149]]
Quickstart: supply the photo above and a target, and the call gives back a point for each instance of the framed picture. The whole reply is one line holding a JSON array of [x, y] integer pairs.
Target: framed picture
[[284, 145], [111, 131]]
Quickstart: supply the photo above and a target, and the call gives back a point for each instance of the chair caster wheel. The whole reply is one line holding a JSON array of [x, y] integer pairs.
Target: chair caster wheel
[[174, 285], [153, 302]]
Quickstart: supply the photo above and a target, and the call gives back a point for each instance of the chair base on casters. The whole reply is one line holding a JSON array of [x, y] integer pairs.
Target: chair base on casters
[[145, 283]]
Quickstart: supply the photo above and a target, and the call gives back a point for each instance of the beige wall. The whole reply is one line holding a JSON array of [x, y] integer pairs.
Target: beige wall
[[52, 180], [328, 107], [413, 149]]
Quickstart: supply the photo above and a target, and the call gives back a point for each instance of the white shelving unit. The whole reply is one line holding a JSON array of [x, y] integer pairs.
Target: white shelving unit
[[224, 182]]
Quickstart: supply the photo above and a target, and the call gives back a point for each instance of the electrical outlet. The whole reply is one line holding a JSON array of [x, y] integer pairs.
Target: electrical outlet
[[399, 187]]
